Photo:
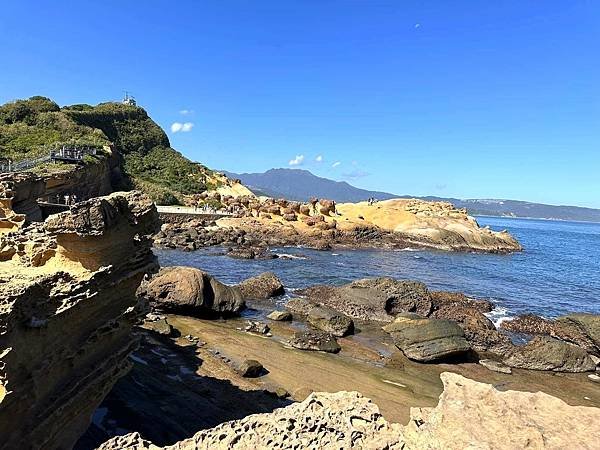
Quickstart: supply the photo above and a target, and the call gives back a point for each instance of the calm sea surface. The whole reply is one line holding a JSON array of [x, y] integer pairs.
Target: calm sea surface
[[558, 272]]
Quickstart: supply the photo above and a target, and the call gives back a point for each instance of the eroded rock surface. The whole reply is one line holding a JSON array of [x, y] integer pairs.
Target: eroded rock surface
[[476, 415], [325, 421], [469, 415], [67, 308]]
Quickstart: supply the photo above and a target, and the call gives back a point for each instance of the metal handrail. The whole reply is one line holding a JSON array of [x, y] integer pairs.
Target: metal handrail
[[65, 153]]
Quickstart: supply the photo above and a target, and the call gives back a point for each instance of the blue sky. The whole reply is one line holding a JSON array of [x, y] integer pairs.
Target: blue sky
[[470, 99]]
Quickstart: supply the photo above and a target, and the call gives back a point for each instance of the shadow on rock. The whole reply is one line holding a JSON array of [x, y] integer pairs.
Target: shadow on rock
[[166, 401]]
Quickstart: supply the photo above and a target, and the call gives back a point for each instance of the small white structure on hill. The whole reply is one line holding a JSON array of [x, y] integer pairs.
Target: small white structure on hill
[[129, 100]]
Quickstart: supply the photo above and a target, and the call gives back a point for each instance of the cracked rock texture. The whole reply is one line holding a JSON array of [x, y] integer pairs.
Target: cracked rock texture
[[469, 415], [67, 307]]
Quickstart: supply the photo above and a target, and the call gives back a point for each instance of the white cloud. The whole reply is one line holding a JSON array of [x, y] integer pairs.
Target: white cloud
[[186, 112], [176, 127], [335, 164], [319, 158], [297, 161]]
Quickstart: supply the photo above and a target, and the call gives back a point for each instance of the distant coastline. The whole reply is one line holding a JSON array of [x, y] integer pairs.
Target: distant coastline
[[546, 219]]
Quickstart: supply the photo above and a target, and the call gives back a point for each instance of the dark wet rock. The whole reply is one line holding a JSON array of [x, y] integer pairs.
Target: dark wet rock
[[330, 321], [263, 286], [566, 329], [424, 340], [251, 253], [320, 244], [315, 341], [373, 298], [546, 353], [251, 368], [495, 366], [186, 290], [479, 330], [254, 326], [160, 326], [587, 324], [445, 299], [280, 316], [300, 305]]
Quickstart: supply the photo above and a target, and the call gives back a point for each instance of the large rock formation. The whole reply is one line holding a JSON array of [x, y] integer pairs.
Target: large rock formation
[[477, 416], [187, 290], [376, 299], [469, 415], [422, 339], [398, 223], [67, 308]]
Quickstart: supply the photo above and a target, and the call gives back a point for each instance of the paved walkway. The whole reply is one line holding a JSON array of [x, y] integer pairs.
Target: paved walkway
[[190, 210]]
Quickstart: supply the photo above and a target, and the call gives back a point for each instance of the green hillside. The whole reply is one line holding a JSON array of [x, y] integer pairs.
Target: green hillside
[[30, 128]]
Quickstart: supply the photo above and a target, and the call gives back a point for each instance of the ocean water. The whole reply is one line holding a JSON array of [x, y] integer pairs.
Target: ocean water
[[558, 272]]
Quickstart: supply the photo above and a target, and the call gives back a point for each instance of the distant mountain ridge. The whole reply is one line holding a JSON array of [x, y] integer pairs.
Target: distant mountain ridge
[[300, 185]]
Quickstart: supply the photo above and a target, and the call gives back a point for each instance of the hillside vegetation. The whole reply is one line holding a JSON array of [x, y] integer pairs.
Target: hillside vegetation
[[30, 128]]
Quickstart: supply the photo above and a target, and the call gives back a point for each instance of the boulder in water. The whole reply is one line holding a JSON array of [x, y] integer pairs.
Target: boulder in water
[[187, 290], [280, 316], [263, 286], [373, 298]]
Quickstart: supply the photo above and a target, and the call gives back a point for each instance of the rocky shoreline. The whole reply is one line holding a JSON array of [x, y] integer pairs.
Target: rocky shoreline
[[279, 343], [96, 342], [395, 224]]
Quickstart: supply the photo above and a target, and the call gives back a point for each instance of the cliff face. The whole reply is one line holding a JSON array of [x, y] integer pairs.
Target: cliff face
[[21, 192], [88, 181], [469, 415], [67, 307], [18, 199]]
